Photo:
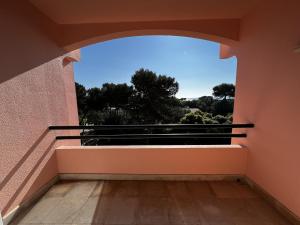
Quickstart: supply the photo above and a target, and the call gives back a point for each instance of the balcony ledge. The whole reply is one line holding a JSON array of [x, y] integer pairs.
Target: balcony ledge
[[152, 159], [141, 147]]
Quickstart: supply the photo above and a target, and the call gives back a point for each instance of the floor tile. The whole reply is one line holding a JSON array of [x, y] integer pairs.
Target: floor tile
[[199, 189], [151, 203], [264, 212], [121, 188], [225, 189], [153, 189], [158, 211], [212, 211], [71, 203], [116, 210]]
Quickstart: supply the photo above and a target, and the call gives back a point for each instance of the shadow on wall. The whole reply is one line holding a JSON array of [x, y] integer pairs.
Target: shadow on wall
[[31, 39], [11, 173], [23, 40], [32, 171]]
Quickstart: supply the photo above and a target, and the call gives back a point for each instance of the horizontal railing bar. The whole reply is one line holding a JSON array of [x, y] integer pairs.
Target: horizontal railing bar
[[155, 136], [152, 126]]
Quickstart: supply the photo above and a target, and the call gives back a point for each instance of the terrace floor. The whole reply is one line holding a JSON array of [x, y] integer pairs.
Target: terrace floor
[[151, 203]]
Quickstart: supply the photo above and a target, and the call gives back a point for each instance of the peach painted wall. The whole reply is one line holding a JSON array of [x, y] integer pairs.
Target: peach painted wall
[[30, 103], [152, 159], [268, 94], [35, 91]]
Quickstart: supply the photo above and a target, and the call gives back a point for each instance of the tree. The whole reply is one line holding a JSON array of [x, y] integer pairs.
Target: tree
[[192, 118], [116, 95], [198, 117], [147, 84], [81, 95], [189, 103], [151, 99], [154, 99], [221, 119], [88, 103], [224, 94], [206, 104], [223, 107], [223, 91], [95, 99]]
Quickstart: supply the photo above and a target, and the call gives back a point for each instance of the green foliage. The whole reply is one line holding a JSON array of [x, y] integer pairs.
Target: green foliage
[[116, 95], [114, 118], [223, 107], [206, 104], [221, 119], [95, 99], [198, 117], [149, 84], [151, 99], [81, 94], [189, 103], [93, 117], [192, 118], [224, 90]]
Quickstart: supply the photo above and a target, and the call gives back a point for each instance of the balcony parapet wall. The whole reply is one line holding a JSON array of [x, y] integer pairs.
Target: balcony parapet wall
[[147, 160]]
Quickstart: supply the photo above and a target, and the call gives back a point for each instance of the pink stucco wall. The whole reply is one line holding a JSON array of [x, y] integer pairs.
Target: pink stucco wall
[[37, 90], [268, 81], [152, 160], [34, 93], [31, 102]]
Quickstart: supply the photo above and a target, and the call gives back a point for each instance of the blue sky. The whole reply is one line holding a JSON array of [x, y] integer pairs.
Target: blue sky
[[194, 63]]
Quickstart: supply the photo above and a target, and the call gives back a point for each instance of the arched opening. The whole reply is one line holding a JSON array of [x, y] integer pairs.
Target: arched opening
[[38, 35], [216, 31], [112, 83]]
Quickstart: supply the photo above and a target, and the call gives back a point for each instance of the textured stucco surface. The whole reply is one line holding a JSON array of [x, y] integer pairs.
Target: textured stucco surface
[[25, 42], [268, 95], [30, 103], [35, 91], [152, 160], [267, 90]]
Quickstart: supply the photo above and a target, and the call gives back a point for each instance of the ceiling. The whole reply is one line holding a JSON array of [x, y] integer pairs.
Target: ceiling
[[108, 11]]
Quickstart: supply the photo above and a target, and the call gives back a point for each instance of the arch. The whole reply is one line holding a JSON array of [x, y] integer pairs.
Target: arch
[[225, 31], [55, 40], [112, 36]]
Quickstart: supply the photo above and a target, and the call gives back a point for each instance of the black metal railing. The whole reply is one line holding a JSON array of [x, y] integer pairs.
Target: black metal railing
[[163, 134]]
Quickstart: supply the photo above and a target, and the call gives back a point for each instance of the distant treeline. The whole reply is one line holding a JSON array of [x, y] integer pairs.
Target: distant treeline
[[150, 99]]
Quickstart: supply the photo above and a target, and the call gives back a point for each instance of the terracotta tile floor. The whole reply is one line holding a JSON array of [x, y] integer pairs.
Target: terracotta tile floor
[[151, 203]]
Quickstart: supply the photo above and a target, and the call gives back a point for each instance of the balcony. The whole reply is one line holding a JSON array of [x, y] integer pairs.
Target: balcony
[[151, 202], [47, 177], [150, 184], [151, 149]]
